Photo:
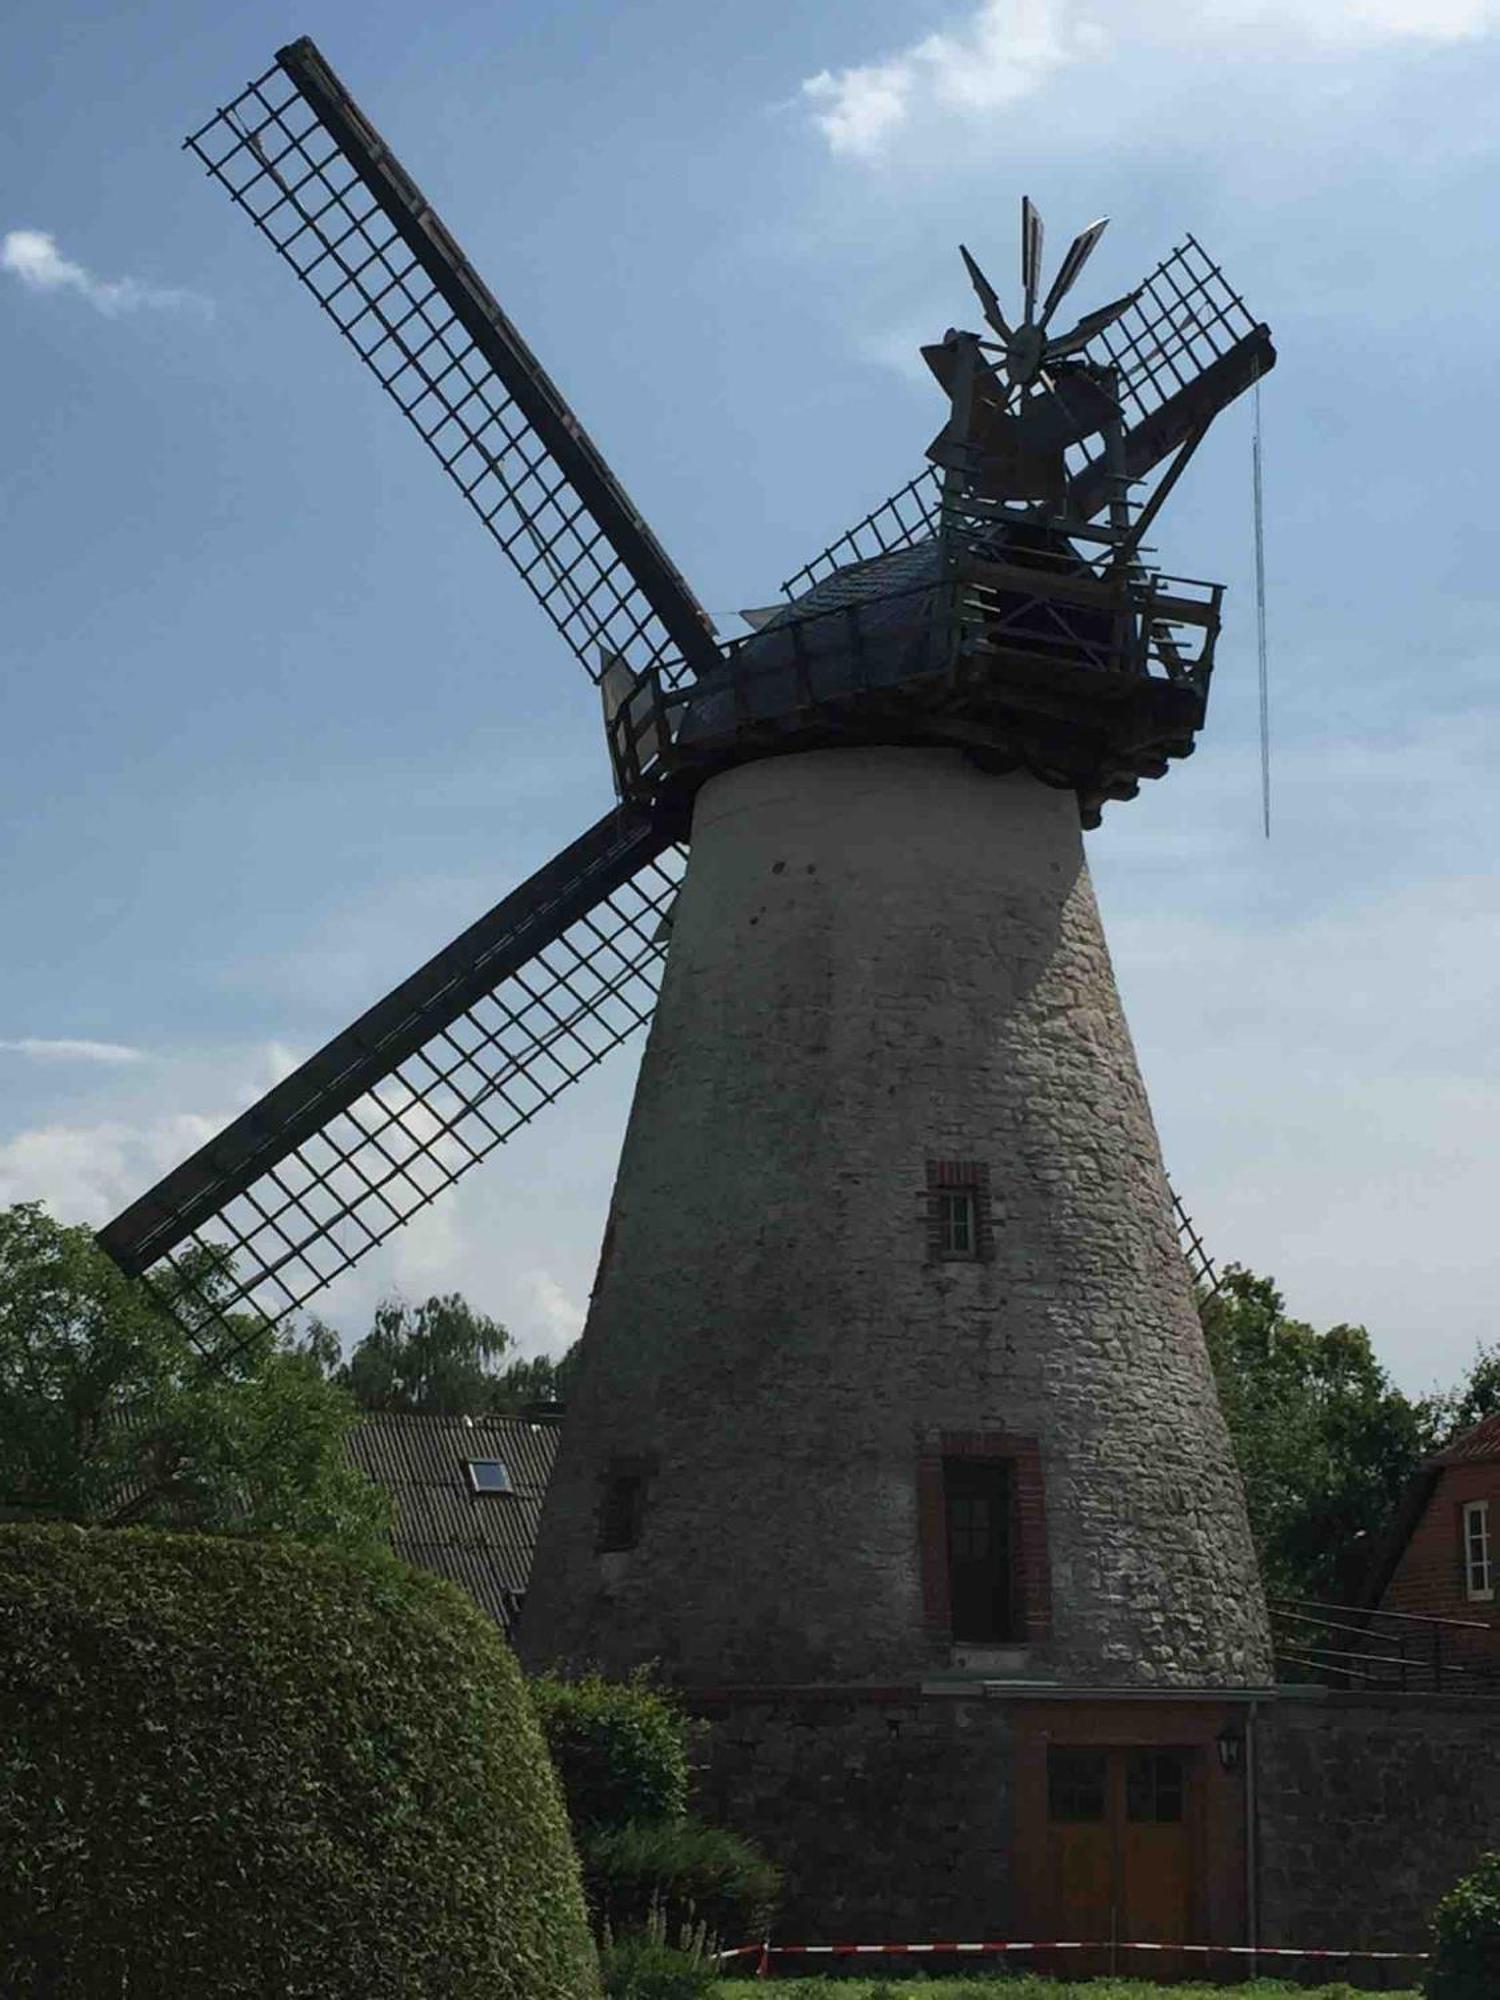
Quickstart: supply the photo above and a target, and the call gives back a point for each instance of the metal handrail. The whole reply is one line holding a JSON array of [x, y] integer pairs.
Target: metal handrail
[[1378, 1611]]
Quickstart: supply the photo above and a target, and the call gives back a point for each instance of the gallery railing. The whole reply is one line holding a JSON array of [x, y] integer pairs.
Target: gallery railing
[[1357, 1648]]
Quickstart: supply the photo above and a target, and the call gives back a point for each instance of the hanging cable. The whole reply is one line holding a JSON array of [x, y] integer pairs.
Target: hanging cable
[[1260, 623]]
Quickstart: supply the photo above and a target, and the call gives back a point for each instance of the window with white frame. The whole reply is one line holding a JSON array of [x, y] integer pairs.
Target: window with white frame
[[1479, 1564]]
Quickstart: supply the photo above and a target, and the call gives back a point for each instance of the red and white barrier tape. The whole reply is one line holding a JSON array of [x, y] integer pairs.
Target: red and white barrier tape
[[766, 1950]]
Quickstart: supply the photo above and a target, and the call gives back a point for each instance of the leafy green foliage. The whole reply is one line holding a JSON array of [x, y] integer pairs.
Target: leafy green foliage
[[436, 1358], [1465, 1962], [689, 1871], [440, 1359], [645, 1965], [620, 1748], [540, 1378], [1325, 1443], [109, 1415], [229, 1769], [1475, 1398]]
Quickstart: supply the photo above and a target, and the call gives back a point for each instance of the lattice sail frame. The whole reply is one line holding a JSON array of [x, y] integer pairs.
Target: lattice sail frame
[[486, 1070], [1185, 319], [323, 188], [1186, 315], [401, 1105]]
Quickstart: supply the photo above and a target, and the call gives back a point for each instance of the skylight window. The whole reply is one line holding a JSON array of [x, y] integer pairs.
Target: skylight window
[[488, 1475]]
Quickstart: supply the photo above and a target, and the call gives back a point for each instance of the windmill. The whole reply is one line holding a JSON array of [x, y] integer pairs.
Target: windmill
[[887, 1018]]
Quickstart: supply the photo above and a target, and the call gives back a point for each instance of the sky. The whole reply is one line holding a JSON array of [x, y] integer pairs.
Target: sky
[[276, 721]]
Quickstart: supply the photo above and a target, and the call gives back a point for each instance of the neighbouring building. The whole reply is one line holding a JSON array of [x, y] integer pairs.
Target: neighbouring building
[[468, 1496], [1443, 1553]]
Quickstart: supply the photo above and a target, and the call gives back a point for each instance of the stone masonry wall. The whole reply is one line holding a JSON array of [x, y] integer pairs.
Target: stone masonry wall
[[890, 1816], [883, 958], [1369, 1810]]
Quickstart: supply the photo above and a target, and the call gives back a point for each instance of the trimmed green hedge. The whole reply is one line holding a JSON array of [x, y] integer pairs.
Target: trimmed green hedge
[[620, 1748], [237, 1768]]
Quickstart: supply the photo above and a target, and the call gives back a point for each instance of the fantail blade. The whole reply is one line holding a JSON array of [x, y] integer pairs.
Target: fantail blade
[[1031, 253], [1091, 323], [1078, 255], [987, 297]]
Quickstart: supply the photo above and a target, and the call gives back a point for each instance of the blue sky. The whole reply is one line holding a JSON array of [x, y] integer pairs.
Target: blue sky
[[277, 721]]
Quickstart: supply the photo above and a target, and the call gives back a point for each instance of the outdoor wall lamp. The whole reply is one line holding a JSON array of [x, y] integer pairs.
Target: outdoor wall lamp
[[1230, 1744]]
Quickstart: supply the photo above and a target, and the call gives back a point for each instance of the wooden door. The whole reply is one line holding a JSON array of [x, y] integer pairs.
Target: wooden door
[[1155, 1871], [1119, 1850]]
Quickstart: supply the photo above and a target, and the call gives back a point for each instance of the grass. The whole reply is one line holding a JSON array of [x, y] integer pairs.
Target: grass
[[1028, 1987]]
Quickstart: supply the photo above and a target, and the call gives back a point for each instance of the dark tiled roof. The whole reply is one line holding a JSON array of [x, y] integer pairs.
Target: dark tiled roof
[[483, 1541], [877, 576], [1482, 1442], [808, 646]]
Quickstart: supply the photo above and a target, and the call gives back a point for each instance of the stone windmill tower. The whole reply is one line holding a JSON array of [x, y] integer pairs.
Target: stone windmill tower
[[892, 1373], [893, 1364]]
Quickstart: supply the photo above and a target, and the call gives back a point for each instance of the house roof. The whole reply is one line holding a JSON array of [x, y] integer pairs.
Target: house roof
[[482, 1541], [1470, 1446], [1482, 1442]]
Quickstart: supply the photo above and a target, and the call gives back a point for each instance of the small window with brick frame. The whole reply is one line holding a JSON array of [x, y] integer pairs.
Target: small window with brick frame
[[1478, 1554], [959, 1228]]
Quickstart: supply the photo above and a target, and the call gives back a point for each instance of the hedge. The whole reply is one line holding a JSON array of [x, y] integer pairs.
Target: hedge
[[620, 1748], [238, 1768]]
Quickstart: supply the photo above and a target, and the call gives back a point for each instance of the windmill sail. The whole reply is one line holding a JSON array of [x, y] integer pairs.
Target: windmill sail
[[304, 163], [1183, 347], [422, 1087]]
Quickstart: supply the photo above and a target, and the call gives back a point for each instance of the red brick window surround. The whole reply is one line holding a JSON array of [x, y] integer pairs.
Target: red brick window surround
[[960, 1228], [1031, 1606]]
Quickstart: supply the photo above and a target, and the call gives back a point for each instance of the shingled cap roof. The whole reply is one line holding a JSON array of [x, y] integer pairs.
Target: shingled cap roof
[[482, 1541]]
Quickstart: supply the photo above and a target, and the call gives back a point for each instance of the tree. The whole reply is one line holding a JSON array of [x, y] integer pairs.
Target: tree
[[110, 1416], [1326, 1443], [1476, 1397], [438, 1359], [540, 1378]]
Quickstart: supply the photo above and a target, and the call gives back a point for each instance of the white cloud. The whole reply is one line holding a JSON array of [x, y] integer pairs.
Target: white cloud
[[64, 1050], [1007, 50], [138, 1125], [32, 257], [88, 1171], [557, 1316]]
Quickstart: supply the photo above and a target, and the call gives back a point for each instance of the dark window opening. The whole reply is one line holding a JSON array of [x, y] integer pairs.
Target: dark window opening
[[957, 1234], [1076, 1781], [981, 1580], [1154, 1785], [621, 1511], [488, 1475]]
